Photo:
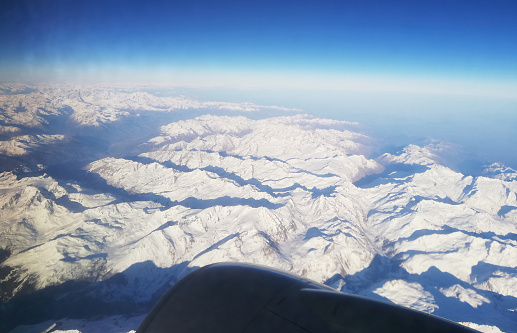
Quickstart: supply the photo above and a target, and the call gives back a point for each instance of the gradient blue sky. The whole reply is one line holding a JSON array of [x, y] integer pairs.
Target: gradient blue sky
[[416, 46]]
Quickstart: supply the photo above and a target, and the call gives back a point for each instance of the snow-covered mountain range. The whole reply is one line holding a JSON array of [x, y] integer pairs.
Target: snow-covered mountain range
[[106, 200]]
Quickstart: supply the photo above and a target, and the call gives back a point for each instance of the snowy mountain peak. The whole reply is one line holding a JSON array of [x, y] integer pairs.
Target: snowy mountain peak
[[412, 154]]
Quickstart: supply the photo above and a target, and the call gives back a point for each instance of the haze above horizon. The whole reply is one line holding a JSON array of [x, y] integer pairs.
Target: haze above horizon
[[438, 47]]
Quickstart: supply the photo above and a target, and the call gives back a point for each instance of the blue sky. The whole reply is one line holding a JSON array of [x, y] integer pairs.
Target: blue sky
[[454, 46]]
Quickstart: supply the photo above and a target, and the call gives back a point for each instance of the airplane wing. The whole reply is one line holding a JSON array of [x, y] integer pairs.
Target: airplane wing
[[242, 298]]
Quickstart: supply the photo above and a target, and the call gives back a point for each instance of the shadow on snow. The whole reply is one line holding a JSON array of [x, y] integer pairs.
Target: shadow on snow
[[132, 292], [383, 269]]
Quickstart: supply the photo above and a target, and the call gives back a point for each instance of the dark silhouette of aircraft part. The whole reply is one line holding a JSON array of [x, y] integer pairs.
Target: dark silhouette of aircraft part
[[231, 298]]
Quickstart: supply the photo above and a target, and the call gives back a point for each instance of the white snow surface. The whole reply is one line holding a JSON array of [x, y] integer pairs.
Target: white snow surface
[[466, 295], [21, 145], [296, 193], [411, 295], [114, 324]]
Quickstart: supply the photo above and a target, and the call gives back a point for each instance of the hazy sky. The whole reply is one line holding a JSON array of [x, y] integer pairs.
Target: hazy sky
[[454, 47]]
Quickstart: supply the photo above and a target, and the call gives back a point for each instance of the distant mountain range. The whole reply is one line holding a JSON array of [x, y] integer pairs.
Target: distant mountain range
[[110, 195]]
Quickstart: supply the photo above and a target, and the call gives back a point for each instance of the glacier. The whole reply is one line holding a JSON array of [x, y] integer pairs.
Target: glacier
[[109, 196]]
